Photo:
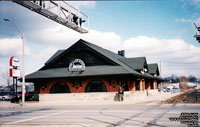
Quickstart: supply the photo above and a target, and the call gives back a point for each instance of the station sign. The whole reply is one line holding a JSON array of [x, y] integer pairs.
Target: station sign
[[14, 62], [77, 65], [14, 73]]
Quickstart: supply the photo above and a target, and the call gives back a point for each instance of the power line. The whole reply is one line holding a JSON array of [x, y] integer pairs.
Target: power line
[[175, 62], [8, 34]]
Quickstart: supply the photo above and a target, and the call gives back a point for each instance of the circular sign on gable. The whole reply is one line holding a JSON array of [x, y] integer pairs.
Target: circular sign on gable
[[77, 65]]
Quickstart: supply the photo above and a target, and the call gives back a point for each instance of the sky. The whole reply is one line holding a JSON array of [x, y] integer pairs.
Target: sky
[[160, 30]]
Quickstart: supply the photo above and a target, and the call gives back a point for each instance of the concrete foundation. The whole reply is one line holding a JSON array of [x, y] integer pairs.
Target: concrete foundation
[[99, 97]]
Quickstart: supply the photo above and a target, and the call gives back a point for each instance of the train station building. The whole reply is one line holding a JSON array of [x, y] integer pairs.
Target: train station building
[[85, 67]]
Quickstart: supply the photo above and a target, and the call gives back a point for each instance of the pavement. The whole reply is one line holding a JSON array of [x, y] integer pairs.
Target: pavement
[[138, 112], [99, 116]]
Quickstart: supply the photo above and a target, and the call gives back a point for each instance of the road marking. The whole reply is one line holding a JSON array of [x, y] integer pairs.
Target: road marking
[[34, 118]]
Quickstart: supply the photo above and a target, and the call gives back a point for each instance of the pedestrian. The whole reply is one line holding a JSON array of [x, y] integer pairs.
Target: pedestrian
[[121, 94]]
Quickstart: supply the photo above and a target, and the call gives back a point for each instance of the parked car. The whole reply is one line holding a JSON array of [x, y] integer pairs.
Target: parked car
[[175, 90], [28, 96], [5, 96], [196, 87], [166, 89]]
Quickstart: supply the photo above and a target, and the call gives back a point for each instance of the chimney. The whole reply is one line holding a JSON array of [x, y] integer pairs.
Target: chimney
[[121, 53]]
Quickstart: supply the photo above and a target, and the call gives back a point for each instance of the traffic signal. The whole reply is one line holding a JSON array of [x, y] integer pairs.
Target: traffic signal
[[197, 36], [81, 21], [75, 19]]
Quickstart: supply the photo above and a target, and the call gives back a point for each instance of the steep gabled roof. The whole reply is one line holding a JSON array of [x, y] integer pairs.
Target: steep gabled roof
[[111, 55], [104, 52], [122, 64], [90, 71], [54, 56], [153, 69], [136, 63]]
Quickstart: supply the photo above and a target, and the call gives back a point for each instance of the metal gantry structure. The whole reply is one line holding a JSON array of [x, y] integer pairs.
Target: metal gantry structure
[[197, 36], [60, 12]]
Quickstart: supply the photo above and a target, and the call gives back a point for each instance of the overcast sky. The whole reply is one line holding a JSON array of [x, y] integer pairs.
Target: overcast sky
[[160, 30]]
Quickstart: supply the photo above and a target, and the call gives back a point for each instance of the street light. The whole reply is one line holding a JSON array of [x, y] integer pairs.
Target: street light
[[23, 64]]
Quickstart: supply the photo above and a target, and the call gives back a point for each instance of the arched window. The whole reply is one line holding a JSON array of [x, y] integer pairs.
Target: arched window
[[95, 86], [60, 88], [137, 84], [152, 86]]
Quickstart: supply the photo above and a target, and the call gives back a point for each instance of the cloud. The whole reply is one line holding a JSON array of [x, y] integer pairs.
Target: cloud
[[197, 21], [195, 3], [109, 40], [1, 67], [178, 32], [184, 20], [82, 4], [12, 46], [175, 54], [50, 37], [57, 34], [60, 36], [165, 49], [44, 55]]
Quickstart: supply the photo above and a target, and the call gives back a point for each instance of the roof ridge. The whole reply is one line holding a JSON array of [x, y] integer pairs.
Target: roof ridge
[[138, 57], [117, 60], [106, 53], [100, 47], [56, 54], [152, 63]]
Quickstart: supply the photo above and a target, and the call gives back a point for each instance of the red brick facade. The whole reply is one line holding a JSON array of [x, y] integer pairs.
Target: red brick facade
[[44, 88]]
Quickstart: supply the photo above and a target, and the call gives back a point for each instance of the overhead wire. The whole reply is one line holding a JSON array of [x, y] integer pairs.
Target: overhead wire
[[8, 34], [176, 62]]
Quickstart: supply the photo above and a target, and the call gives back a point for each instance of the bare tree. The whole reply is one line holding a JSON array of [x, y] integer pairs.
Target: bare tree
[[7, 79]]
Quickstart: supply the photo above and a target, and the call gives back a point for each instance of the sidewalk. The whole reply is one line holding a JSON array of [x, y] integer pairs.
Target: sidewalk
[[135, 100]]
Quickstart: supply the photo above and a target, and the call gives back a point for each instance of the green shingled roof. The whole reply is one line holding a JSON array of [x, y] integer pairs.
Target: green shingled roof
[[90, 71], [123, 65], [113, 56], [136, 63], [54, 56], [149, 76], [153, 68]]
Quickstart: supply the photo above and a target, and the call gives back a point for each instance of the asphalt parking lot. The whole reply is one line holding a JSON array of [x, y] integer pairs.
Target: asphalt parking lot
[[146, 112], [98, 116]]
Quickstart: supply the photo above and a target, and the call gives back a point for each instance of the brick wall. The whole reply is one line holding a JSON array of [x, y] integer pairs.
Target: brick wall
[[112, 85]]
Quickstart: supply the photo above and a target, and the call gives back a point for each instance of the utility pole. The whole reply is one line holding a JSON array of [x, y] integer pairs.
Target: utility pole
[[160, 76], [23, 71], [160, 67], [23, 56]]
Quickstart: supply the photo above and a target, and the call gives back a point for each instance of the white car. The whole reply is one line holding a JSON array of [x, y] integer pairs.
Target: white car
[[5, 96]]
